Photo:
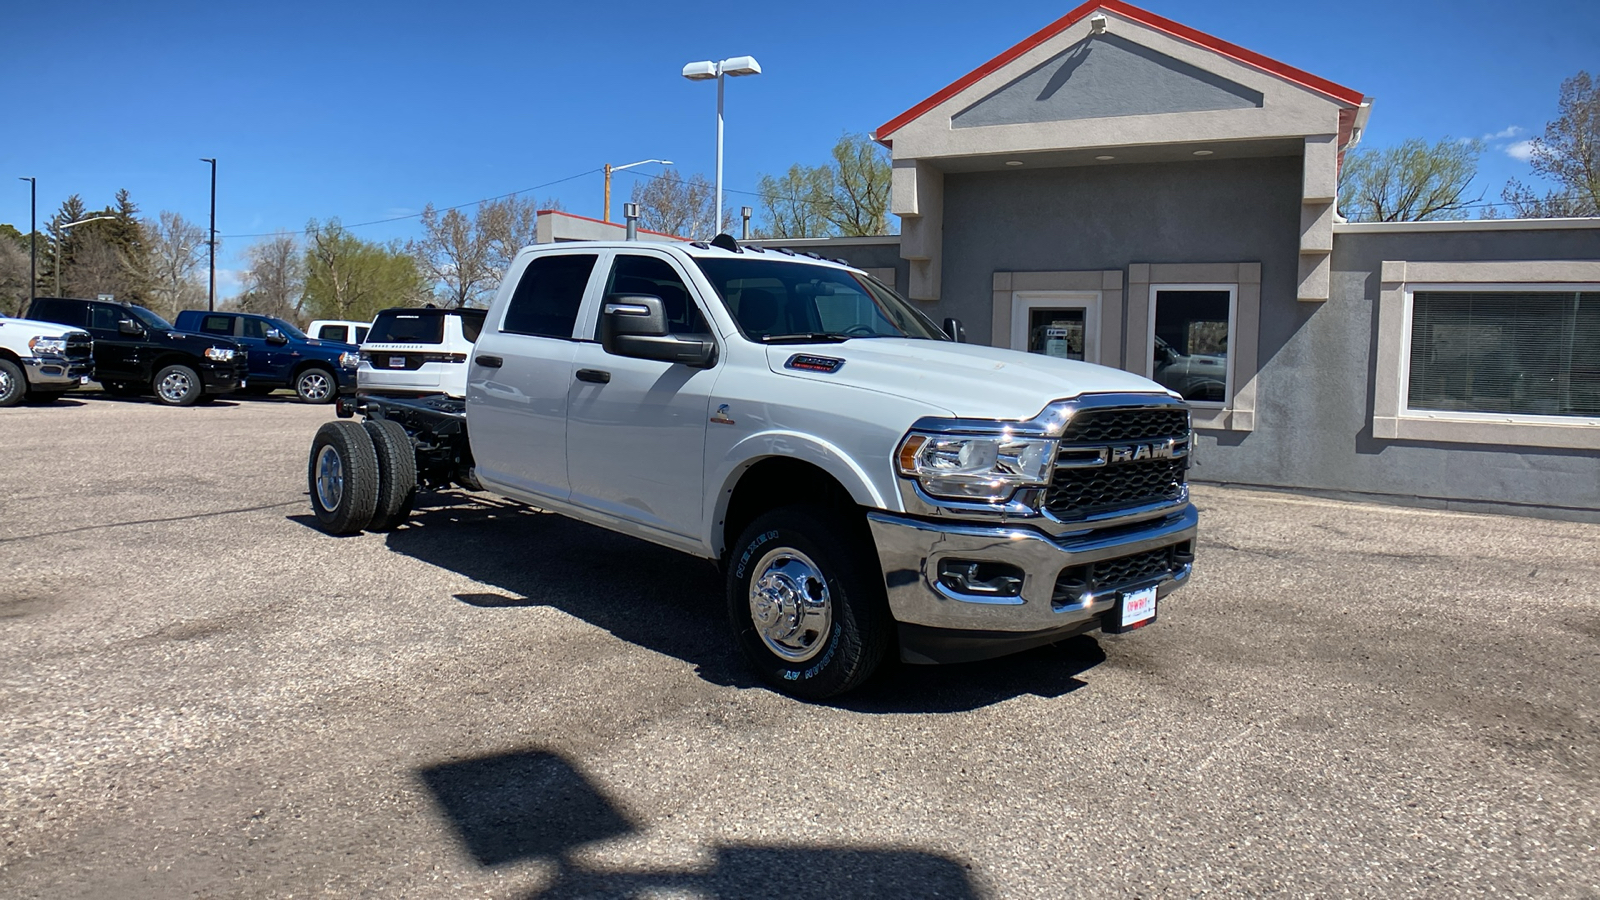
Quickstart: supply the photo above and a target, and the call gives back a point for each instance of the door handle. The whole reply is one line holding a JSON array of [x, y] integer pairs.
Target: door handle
[[488, 362], [594, 376]]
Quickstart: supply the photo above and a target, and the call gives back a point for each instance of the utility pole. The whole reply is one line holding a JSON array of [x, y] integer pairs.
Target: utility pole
[[211, 295], [33, 240]]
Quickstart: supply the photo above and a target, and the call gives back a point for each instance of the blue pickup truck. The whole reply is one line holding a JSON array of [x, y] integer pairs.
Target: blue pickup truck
[[281, 355]]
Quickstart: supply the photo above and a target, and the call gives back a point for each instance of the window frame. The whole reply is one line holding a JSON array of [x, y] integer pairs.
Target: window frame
[[1406, 411], [1232, 289]]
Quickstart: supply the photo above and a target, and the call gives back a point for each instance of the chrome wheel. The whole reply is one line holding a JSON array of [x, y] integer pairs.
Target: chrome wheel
[[174, 387], [314, 386], [789, 604], [330, 478], [6, 384]]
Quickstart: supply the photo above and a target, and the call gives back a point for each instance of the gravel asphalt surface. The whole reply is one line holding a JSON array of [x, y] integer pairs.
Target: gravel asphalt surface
[[201, 695]]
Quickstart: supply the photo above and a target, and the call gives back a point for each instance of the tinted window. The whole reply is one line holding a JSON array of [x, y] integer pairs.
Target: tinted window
[[656, 277], [331, 332], [216, 324], [361, 334], [105, 318], [149, 318], [423, 326], [64, 311], [472, 323], [549, 294], [255, 328], [1190, 354]]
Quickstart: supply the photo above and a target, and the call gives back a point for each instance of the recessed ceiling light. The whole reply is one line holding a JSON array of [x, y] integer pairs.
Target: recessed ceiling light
[[1104, 158], [1202, 153], [1013, 162]]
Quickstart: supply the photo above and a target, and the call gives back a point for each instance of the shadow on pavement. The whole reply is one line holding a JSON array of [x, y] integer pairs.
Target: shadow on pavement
[[533, 805], [673, 604]]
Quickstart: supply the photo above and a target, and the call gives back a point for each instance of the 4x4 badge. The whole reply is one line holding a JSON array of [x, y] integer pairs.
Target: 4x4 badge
[[721, 416]]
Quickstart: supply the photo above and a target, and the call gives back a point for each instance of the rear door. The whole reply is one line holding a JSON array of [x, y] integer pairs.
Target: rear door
[[117, 356], [520, 372]]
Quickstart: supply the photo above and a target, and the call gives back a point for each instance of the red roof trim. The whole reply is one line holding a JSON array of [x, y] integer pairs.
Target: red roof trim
[[1183, 32], [562, 212]]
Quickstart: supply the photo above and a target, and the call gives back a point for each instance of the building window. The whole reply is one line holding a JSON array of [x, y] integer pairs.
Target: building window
[[1191, 340], [1496, 350]]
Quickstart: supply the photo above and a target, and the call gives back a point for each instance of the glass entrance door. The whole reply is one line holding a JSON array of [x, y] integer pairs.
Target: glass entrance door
[[1059, 324]]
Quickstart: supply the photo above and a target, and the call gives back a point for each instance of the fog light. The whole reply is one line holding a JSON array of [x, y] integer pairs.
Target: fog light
[[984, 579]]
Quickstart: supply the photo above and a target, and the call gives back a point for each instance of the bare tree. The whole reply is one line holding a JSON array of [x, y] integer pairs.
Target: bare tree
[[14, 292], [508, 225], [686, 208], [98, 267], [454, 254], [275, 281], [174, 248], [1413, 182], [1568, 154]]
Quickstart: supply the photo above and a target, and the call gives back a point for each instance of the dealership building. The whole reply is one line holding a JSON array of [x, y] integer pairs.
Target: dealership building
[[1126, 190]]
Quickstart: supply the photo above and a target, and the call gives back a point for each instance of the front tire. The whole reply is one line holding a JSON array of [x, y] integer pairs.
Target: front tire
[[13, 384], [177, 385], [397, 473], [806, 602], [343, 477], [316, 385]]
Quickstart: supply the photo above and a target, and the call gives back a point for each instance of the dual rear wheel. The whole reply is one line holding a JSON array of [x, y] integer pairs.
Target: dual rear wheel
[[362, 476]]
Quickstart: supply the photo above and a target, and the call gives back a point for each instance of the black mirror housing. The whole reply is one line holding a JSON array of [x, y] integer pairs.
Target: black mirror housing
[[635, 325], [952, 327], [274, 336], [130, 327]]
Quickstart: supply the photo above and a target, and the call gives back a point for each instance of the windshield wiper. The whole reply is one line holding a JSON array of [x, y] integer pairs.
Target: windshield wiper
[[811, 337]]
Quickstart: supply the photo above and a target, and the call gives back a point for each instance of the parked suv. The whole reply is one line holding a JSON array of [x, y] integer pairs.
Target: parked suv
[[341, 330], [40, 361], [281, 355], [410, 352], [138, 352]]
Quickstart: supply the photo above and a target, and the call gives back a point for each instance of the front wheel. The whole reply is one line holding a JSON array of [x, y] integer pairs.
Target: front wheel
[[13, 384], [806, 602], [316, 385], [177, 385], [343, 477]]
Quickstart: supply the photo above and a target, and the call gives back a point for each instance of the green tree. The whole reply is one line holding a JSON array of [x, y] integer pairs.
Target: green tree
[[797, 204], [1413, 182], [349, 278], [1568, 154], [848, 196]]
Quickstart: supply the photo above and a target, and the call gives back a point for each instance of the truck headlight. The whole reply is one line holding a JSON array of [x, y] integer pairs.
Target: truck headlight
[[975, 468], [220, 354], [48, 346], [349, 360]]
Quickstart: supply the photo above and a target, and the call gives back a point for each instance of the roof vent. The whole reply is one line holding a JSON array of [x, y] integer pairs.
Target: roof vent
[[726, 242]]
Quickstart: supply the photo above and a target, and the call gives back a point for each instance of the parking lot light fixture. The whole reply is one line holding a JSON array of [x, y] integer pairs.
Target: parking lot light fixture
[[705, 70], [63, 227]]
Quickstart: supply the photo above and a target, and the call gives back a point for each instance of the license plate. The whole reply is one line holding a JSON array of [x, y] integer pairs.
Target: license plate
[[83, 379], [242, 383], [397, 362], [1137, 607]]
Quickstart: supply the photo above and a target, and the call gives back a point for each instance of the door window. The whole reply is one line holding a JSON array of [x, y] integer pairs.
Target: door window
[[255, 328], [217, 325], [656, 277], [105, 318], [548, 296]]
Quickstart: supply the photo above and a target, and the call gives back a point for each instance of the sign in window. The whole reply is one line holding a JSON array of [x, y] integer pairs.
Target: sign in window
[[1190, 341], [1056, 332], [1534, 353]]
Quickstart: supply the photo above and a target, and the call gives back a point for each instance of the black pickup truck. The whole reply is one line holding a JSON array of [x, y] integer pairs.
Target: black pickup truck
[[138, 352]]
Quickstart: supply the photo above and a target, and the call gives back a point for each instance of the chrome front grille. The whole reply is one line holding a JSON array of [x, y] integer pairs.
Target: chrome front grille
[[1119, 458]]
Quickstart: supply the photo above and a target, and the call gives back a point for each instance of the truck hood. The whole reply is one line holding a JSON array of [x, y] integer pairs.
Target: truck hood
[[35, 327], [969, 380]]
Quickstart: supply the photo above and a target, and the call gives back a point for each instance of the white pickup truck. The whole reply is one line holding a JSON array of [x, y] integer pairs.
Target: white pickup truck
[[869, 485]]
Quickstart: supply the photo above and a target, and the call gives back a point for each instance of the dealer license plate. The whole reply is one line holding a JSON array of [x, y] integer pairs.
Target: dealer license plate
[[397, 362], [83, 379], [1138, 607]]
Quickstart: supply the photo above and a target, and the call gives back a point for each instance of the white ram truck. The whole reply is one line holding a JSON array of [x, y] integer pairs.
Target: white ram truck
[[869, 485], [40, 361]]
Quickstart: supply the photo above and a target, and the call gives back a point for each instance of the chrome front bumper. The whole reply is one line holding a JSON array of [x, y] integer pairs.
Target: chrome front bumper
[[56, 373], [910, 551]]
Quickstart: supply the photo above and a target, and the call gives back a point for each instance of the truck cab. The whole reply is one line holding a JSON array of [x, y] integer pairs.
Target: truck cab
[[869, 485], [281, 355]]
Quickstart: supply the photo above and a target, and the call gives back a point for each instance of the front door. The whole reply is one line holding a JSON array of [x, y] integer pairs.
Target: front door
[[117, 356], [520, 374], [636, 428], [269, 363], [1062, 324]]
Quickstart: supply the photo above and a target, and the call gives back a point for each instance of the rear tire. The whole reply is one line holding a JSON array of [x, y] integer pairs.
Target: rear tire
[[316, 385], [177, 385], [397, 473], [13, 384], [343, 477], [807, 603]]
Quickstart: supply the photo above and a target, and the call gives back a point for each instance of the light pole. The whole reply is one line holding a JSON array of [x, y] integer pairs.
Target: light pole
[[211, 295], [60, 248], [610, 168], [33, 239], [706, 70]]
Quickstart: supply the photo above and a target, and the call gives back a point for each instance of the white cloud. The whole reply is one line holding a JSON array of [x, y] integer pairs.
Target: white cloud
[[1521, 150], [1509, 131]]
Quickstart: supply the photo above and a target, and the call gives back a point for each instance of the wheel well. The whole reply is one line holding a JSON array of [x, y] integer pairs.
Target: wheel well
[[7, 354], [311, 364], [174, 359], [780, 481]]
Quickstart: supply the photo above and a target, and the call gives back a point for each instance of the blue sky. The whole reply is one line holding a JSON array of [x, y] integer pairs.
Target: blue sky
[[367, 111]]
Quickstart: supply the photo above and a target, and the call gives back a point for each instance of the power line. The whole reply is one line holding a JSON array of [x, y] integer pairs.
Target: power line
[[418, 215]]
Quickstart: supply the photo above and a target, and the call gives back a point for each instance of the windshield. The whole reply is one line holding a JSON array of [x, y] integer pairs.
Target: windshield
[[289, 330], [778, 300], [149, 318]]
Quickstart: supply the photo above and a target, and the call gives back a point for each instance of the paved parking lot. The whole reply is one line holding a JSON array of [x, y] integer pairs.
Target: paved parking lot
[[202, 695]]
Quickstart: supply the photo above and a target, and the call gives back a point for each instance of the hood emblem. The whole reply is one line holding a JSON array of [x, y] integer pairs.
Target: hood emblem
[[721, 417], [806, 362]]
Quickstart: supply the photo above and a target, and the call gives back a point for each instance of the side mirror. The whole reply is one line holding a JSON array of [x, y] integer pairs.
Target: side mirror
[[130, 327], [274, 336], [952, 327], [635, 325]]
